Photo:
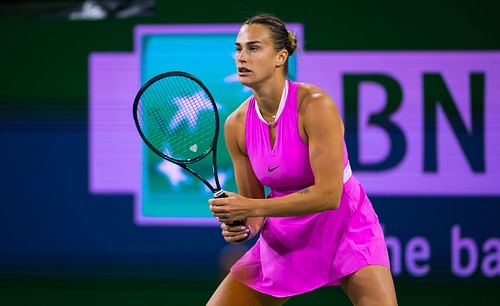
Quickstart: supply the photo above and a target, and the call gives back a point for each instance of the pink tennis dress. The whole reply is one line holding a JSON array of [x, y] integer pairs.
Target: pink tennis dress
[[298, 254]]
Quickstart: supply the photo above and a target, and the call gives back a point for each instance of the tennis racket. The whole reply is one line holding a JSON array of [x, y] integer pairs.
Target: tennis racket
[[177, 118]]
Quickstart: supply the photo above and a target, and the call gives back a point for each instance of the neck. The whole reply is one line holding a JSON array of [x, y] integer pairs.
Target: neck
[[268, 95]]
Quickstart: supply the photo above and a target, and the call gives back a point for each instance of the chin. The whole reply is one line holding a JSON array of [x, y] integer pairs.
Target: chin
[[245, 81]]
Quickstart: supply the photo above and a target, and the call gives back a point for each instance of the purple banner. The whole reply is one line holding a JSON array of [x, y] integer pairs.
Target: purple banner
[[446, 109]]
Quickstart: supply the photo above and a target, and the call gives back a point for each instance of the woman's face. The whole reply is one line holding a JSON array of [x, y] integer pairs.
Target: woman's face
[[256, 58]]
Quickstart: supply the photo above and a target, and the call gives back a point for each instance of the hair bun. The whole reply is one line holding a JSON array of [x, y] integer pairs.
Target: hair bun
[[292, 42]]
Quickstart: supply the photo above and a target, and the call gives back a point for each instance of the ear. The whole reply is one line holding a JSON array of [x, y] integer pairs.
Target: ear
[[281, 58]]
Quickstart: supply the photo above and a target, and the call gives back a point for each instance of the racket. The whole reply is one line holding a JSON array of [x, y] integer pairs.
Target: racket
[[177, 118]]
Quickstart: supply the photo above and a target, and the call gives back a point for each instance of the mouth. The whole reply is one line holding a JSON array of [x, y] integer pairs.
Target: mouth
[[243, 70]]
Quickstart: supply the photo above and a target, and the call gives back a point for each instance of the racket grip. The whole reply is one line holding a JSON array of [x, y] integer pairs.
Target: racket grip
[[222, 194]]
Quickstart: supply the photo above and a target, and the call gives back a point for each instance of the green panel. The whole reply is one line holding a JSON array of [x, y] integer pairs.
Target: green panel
[[211, 59]]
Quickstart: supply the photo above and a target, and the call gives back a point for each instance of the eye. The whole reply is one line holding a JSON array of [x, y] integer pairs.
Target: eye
[[254, 48]]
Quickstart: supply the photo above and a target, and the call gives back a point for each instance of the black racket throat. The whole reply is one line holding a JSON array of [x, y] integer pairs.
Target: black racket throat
[[216, 190]]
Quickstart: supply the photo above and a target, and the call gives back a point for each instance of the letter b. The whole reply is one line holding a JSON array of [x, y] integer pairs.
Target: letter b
[[457, 245]]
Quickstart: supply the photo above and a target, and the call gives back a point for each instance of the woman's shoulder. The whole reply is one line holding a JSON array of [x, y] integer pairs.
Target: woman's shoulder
[[315, 105], [308, 88], [238, 116], [234, 128], [312, 94]]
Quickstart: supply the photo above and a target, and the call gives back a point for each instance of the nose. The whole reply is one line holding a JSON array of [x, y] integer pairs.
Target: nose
[[241, 56]]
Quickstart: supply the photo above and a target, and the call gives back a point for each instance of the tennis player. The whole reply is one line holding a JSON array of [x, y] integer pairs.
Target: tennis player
[[317, 227]]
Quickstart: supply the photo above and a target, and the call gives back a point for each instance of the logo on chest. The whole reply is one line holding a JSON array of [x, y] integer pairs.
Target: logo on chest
[[271, 169]]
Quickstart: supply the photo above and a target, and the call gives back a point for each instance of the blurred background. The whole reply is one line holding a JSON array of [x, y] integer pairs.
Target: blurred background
[[72, 229]]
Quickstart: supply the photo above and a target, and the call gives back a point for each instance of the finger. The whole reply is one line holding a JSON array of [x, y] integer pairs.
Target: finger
[[217, 212], [218, 209], [234, 234], [224, 216], [224, 219], [218, 202], [230, 194], [234, 229], [221, 212], [238, 238]]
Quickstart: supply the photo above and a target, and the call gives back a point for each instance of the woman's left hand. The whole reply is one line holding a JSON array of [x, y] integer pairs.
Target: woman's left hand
[[233, 208]]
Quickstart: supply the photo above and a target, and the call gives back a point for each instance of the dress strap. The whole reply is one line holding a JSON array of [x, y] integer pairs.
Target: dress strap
[[347, 173]]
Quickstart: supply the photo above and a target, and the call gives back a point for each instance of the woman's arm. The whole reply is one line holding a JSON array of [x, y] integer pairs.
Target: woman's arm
[[324, 131]]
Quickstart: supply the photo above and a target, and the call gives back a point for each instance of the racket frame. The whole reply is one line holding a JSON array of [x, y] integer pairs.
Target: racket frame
[[217, 191]]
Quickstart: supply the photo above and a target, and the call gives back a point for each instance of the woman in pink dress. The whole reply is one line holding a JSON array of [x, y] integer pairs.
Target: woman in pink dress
[[317, 227]]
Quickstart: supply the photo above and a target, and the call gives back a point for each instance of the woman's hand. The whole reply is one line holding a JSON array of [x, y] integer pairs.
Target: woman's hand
[[235, 234], [233, 208]]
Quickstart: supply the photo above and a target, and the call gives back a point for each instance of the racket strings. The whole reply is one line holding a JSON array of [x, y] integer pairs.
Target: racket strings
[[178, 118], [191, 106]]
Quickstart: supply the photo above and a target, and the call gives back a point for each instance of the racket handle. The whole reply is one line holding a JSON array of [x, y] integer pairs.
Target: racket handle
[[221, 194], [236, 223]]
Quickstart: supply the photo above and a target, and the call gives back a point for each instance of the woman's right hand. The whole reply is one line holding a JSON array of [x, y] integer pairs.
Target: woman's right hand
[[235, 234]]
